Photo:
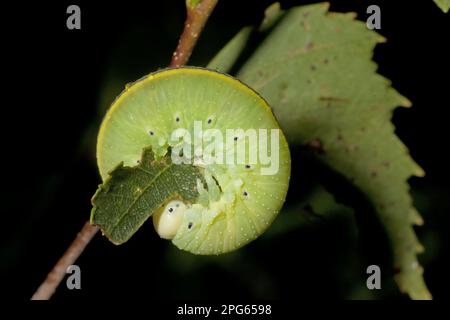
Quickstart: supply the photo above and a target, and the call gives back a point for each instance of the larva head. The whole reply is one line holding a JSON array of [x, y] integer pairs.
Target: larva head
[[167, 221], [239, 199]]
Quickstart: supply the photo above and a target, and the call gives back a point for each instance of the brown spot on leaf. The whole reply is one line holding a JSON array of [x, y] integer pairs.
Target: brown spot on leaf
[[316, 145], [283, 85], [334, 99], [283, 93], [304, 25]]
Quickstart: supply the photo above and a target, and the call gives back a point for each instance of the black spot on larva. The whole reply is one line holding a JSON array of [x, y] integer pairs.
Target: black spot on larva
[[151, 133], [247, 166], [245, 193], [190, 225], [177, 119], [235, 138], [209, 121], [170, 209]]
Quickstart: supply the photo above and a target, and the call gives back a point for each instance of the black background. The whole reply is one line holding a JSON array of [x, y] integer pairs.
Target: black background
[[52, 108]]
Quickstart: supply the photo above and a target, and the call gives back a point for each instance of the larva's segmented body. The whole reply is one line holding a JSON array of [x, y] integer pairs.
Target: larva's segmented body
[[240, 200]]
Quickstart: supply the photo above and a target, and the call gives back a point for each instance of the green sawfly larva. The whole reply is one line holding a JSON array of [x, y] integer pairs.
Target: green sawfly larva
[[238, 202]]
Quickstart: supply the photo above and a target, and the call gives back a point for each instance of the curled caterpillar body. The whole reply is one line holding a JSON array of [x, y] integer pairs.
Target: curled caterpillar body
[[237, 200]]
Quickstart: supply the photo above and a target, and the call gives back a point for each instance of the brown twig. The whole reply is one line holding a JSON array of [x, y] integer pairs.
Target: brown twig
[[48, 287], [197, 15]]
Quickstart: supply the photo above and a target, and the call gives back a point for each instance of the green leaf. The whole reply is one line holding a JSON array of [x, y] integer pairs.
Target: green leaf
[[132, 194], [227, 56], [225, 59], [272, 15], [319, 204], [443, 4], [316, 72]]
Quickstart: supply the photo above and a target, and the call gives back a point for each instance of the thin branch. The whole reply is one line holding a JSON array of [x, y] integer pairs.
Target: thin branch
[[48, 287], [197, 15]]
